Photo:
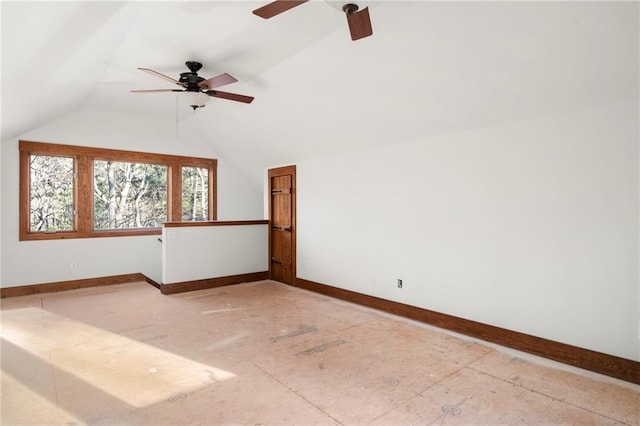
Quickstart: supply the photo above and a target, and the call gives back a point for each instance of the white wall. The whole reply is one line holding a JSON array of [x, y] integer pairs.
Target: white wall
[[1, 209], [34, 262], [239, 196], [201, 252], [530, 226]]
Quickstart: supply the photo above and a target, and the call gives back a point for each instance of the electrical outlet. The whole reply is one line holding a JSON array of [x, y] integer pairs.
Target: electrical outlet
[[399, 283], [73, 266]]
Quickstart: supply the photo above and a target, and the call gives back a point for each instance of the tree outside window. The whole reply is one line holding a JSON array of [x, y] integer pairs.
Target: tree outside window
[[51, 187], [129, 195], [195, 194]]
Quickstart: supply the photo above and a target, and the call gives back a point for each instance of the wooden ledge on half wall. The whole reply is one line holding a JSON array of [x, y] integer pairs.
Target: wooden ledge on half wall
[[215, 223]]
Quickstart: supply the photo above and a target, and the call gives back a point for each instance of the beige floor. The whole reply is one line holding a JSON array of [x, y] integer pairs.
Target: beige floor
[[268, 354]]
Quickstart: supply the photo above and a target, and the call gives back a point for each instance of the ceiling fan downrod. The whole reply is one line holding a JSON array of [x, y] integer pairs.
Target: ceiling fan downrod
[[193, 66]]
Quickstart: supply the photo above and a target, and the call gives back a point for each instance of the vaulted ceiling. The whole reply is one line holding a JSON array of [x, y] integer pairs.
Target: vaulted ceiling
[[430, 68]]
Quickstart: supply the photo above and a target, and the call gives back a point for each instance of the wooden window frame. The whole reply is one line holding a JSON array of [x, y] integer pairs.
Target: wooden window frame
[[83, 187]]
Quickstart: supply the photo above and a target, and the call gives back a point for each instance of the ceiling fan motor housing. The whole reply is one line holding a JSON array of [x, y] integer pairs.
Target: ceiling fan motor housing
[[191, 79]]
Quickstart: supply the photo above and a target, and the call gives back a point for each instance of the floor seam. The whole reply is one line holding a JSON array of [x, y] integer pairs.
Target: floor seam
[[349, 327], [403, 401], [296, 392], [53, 381], [445, 378], [548, 396]]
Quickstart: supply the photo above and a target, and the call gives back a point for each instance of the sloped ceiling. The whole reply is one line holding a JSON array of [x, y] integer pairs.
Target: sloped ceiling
[[430, 68]]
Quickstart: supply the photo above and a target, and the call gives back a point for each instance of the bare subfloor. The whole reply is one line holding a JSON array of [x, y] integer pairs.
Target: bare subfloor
[[265, 353]]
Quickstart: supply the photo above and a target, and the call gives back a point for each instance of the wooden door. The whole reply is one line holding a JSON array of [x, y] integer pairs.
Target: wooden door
[[282, 223]]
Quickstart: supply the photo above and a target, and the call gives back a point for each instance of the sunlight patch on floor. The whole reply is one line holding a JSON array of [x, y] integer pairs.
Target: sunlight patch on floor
[[134, 372]]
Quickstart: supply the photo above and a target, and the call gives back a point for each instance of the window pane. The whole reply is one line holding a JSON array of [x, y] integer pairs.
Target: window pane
[[195, 193], [51, 194], [129, 195]]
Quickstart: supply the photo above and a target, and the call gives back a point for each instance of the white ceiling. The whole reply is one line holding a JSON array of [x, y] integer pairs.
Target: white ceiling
[[430, 68]]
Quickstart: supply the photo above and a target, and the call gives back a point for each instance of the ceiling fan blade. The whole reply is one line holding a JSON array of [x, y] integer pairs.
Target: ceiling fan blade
[[230, 96], [277, 7], [156, 90], [217, 81], [157, 74], [359, 24]]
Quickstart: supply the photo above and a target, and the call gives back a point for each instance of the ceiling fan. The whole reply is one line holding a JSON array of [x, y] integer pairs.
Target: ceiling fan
[[358, 20], [197, 90]]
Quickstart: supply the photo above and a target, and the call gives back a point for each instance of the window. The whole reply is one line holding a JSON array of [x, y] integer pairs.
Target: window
[[51, 207], [129, 195], [79, 192], [195, 193]]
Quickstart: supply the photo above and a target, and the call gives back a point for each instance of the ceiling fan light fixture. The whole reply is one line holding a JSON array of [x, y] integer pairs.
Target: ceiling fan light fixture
[[194, 99]]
